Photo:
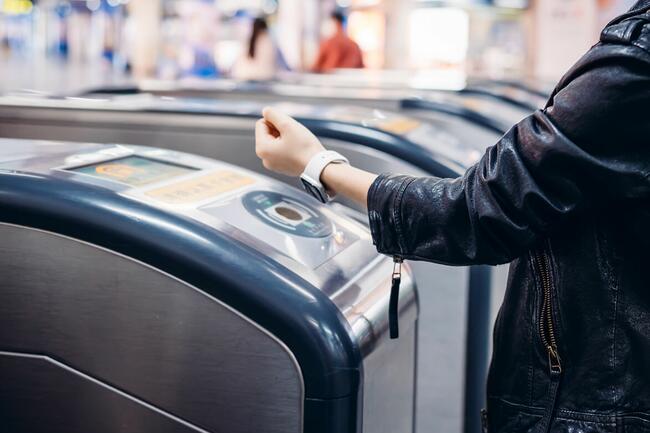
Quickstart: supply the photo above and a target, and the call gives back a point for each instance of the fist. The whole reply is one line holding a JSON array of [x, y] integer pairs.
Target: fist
[[284, 145]]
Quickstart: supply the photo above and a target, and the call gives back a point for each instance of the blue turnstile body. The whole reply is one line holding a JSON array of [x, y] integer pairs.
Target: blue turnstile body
[[455, 301], [147, 290]]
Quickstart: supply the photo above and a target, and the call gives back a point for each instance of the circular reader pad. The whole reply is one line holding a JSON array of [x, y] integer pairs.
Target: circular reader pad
[[287, 214]]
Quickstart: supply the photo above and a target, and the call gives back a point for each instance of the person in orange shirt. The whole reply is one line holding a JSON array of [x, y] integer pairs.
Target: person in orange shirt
[[338, 51]]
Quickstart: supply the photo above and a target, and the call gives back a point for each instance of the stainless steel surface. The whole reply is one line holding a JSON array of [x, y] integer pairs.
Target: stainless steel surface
[[145, 333], [388, 382], [442, 347], [443, 290], [70, 401]]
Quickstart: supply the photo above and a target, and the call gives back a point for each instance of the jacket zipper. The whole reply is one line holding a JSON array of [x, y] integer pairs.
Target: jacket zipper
[[547, 328]]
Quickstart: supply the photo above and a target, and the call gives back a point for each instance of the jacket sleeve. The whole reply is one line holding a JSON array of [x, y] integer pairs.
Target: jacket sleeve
[[589, 149]]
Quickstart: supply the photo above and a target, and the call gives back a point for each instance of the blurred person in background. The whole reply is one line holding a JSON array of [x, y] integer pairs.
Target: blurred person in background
[[200, 22], [259, 61], [337, 50]]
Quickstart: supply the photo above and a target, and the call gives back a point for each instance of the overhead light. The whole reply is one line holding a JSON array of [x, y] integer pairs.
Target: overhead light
[[16, 7]]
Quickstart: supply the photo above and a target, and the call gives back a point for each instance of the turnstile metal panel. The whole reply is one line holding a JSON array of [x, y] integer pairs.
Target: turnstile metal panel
[[197, 133], [138, 330], [71, 401], [145, 334]]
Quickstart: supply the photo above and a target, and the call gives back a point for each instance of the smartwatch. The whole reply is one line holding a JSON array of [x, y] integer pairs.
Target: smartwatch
[[311, 176]]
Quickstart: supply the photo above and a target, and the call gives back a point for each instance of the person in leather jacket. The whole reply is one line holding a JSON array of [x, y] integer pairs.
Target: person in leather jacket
[[565, 197]]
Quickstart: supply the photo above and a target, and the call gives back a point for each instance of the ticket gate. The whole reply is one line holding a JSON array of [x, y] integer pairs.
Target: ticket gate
[[539, 88], [443, 148], [455, 303], [147, 290], [483, 109], [508, 93], [516, 95]]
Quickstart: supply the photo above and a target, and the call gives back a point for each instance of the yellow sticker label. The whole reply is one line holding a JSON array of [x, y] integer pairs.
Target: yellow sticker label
[[200, 188], [472, 104], [400, 125], [117, 171]]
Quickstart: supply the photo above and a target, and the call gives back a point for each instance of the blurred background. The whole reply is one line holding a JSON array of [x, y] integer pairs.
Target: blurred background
[[55, 45]]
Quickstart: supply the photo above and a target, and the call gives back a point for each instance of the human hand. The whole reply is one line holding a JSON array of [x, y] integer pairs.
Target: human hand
[[283, 144]]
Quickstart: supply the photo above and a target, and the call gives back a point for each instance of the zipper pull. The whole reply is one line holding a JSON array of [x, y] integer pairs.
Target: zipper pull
[[484, 421], [554, 361], [393, 304]]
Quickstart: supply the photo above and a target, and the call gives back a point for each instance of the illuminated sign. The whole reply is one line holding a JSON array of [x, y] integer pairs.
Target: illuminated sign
[[134, 170]]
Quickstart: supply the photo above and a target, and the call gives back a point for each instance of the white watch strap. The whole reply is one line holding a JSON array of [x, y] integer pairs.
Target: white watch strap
[[318, 163]]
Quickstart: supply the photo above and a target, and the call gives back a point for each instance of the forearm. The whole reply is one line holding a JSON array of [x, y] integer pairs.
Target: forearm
[[348, 181]]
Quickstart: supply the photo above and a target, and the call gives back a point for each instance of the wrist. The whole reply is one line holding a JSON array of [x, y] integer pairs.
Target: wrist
[[330, 172]]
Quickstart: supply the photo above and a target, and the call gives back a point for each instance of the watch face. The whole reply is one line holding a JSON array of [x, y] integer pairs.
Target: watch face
[[315, 192]]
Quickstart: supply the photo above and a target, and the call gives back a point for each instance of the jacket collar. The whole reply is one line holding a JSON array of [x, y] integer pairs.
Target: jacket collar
[[638, 8], [641, 4]]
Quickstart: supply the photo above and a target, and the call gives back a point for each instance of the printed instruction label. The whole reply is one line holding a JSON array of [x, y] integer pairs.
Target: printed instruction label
[[200, 188]]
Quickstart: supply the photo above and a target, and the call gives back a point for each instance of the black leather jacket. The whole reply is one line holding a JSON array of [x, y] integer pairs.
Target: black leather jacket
[[565, 196]]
